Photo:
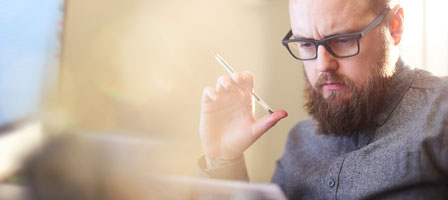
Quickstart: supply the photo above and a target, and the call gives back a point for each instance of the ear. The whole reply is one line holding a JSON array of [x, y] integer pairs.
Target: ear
[[396, 25]]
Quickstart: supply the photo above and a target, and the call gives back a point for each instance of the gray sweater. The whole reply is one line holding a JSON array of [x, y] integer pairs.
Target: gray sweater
[[405, 157]]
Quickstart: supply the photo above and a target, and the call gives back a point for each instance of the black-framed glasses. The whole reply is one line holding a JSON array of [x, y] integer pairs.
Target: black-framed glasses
[[340, 46]]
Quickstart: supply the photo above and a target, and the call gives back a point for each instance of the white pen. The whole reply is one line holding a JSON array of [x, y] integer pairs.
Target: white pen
[[231, 71]]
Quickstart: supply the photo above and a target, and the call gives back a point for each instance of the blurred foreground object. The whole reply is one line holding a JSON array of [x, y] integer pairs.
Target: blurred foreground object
[[17, 142], [13, 192], [104, 166], [29, 62]]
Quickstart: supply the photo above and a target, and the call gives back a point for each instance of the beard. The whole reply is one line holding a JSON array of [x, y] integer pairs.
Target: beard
[[340, 114]]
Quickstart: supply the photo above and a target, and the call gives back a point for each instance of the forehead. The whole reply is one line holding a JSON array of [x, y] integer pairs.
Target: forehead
[[316, 19]]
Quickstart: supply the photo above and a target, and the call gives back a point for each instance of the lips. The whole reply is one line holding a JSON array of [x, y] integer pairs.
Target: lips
[[333, 86], [330, 81]]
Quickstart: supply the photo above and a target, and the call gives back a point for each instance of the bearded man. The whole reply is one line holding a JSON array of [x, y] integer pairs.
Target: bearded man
[[377, 129]]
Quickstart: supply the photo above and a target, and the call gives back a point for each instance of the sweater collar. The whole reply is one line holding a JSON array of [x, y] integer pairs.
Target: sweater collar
[[400, 83]]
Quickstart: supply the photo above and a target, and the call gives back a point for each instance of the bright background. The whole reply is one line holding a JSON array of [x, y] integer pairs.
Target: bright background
[[138, 67], [425, 40], [29, 54]]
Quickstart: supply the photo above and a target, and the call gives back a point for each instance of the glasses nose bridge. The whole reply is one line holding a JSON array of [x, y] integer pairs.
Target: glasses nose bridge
[[324, 44]]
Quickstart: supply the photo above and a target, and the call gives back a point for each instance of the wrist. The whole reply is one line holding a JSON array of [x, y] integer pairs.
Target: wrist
[[213, 163]]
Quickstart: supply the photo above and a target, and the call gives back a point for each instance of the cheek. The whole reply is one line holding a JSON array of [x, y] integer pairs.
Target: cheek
[[357, 71], [311, 73]]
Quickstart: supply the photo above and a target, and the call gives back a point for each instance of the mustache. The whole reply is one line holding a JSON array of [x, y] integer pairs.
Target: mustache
[[330, 77]]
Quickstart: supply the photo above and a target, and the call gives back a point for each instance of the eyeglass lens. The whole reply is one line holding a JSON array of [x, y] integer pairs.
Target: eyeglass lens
[[340, 47]]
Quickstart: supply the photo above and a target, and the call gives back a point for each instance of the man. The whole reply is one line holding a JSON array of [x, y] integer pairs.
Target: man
[[378, 128]]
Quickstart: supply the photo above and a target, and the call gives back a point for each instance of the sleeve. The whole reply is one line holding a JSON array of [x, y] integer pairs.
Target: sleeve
[[435, 148], [233, 171]]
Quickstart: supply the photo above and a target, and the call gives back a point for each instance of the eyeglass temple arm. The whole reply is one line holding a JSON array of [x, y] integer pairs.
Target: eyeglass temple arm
[[375, 22], [288, 35], [367, 29]]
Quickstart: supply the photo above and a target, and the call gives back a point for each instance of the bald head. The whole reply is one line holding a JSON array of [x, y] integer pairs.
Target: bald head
[[373, 5], [379, 5], [316, 19]]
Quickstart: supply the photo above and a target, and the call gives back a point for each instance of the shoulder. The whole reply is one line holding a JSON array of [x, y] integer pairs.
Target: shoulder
[[441, 120], [431, 92], [425, 80], [428, 91]]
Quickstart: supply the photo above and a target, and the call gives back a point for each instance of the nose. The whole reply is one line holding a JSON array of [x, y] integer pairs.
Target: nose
[[325, 61]]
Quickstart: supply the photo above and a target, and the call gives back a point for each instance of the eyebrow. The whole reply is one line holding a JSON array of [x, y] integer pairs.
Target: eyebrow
[[339, 32]]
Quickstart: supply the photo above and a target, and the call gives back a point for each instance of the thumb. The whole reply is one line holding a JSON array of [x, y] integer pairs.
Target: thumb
[[265, 123]]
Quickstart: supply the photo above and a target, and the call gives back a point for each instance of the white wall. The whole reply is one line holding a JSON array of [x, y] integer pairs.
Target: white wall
[[425, 42]]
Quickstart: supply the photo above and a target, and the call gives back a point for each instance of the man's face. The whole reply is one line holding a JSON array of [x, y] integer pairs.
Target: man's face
[[317, 19], [344, 94]]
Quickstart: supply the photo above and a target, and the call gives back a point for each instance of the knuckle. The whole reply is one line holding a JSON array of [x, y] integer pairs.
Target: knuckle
[[205, 89], [225, 81], [237, 77], [248, 75], [223, 77], [205, 92]]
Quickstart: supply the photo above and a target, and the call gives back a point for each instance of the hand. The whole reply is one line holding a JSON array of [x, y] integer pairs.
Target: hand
[[227, 123]]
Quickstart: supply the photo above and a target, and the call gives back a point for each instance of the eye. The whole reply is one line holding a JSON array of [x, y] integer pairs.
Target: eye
[[343, 41], [306, 44]]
